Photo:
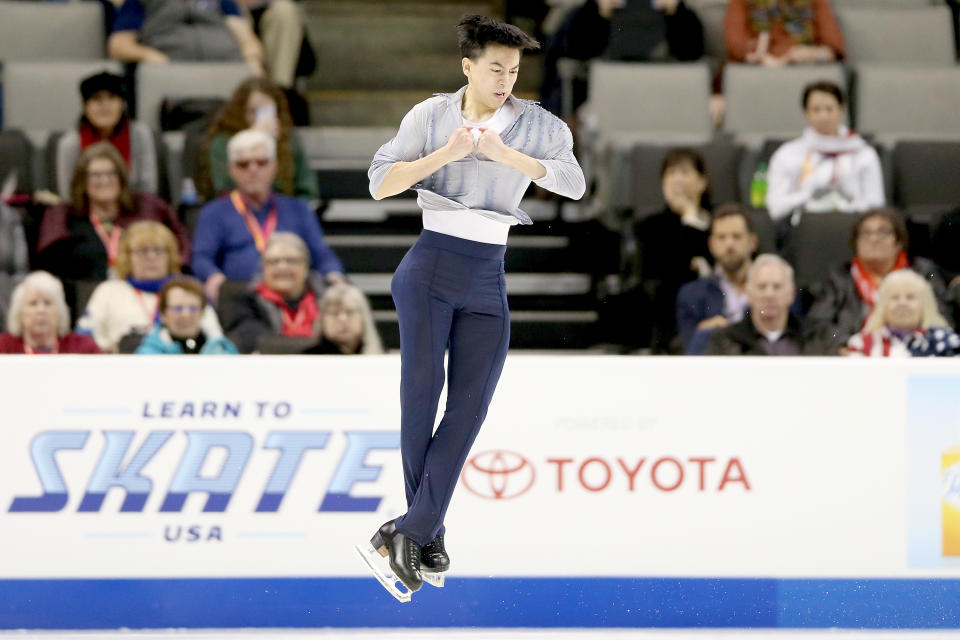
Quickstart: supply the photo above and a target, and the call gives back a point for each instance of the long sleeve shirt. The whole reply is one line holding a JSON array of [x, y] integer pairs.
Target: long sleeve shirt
[[475, 181], [222, 242]]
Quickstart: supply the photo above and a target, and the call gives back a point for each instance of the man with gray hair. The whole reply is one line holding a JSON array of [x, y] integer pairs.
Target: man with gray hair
[[232, 231], [769, 329]]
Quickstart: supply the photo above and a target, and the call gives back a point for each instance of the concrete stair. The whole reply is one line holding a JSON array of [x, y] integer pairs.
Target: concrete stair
[[377, 59]]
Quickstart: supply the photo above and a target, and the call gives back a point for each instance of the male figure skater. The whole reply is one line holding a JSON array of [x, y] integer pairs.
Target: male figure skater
[[470, 156]]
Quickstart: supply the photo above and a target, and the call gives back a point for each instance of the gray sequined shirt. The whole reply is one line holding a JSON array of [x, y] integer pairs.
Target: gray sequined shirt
[[475, 181]]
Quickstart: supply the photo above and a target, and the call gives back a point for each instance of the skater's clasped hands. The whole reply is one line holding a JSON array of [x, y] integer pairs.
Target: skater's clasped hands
[[462, 144]]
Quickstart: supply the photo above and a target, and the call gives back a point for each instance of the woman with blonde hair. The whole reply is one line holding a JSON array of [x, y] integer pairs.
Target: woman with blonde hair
[[147, 257], [347, 323], [905, 322], [80, 239], [39, 321], [258, 103]]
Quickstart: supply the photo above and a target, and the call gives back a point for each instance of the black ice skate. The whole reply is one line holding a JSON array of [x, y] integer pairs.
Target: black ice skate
[[403, 561], [434, 561]]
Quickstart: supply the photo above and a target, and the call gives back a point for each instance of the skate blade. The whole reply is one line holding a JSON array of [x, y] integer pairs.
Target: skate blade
[[382, 572], [433, 579]]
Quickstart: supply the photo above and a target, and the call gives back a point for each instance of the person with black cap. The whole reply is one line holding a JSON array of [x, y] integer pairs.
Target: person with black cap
[[105, 118]]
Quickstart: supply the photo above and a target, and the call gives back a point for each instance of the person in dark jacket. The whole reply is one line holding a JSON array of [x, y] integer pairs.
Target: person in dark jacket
[[585, 32], [670, 248], [286, 301], [719, 299], [845, 299], [769, 329]]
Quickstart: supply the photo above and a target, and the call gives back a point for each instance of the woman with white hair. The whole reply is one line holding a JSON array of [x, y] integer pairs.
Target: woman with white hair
[[39, 321], [347, 321], [905, 322], [232, 231]]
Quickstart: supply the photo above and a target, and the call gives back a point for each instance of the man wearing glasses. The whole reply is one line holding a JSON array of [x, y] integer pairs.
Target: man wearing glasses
[[232, 231]]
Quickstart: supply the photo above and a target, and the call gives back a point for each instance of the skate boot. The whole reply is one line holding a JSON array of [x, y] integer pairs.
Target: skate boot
[[402, 565], [434, 561]]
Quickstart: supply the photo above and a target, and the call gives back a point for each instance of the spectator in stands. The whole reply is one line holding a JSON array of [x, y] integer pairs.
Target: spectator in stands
[[828, 168], [148, 257], [232, 231], [775, 33], [13, 256], [39, 321], [79, 240], [905, 322], [256, 104], [105, 118], [719, 299], [347, 321], [280, 26], [671, 246], [159, 31], [769, 329], [286, 302], [844, 300], [180, 331], [670, 30]]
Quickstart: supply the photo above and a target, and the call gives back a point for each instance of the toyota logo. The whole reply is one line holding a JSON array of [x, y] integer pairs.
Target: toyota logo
[[498, 475]]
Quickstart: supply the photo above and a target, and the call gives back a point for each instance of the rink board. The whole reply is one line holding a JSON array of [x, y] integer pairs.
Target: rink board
[[602, 491]]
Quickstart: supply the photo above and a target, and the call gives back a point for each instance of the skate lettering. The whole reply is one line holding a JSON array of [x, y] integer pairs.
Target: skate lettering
[[120, 468]]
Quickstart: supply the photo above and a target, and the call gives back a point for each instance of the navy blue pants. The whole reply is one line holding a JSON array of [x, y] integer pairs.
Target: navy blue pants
[[449, 292]]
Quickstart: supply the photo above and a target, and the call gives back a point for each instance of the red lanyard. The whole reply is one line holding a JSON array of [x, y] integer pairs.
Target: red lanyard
[[30, 351], [111, 241], [143, 305], [260, 235]]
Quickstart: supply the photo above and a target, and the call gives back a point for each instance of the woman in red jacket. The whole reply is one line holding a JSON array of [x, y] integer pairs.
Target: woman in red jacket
[[39, 321]]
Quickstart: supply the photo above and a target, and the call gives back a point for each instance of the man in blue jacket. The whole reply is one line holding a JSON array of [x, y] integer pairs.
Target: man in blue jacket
[[719, 300], [232, 231]]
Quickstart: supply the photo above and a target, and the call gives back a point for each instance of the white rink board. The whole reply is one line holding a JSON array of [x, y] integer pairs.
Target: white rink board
[[816, 454]]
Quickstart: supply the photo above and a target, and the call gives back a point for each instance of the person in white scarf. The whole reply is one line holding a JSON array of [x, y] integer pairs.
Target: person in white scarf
[[829, 167]]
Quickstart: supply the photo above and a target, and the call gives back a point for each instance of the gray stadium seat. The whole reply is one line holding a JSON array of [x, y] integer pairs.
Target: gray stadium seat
[[766, 103], [712, 14], [925, 173], [46, 95], [904, 102], [35, 31], [184, 79], [817, 244], [648, 102], [722, 160], [921, 36]]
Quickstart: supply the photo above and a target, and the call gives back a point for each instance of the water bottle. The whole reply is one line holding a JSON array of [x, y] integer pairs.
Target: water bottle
[[188, 192], [758, 187]]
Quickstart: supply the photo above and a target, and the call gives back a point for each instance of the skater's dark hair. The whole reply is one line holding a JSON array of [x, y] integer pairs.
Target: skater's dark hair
[[475, 32]]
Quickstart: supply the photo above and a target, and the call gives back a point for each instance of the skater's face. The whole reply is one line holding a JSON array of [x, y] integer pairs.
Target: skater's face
[[770, 292], [492, 74], [285, 269], [183, 313], [731, 242], [104, 110]]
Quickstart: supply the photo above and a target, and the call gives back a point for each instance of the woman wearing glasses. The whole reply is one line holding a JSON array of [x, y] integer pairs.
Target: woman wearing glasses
[[180, 330], [147, 258], [79, 240]]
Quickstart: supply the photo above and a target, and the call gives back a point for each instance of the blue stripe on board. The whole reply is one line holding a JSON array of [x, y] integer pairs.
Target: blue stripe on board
[[479, 602]]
